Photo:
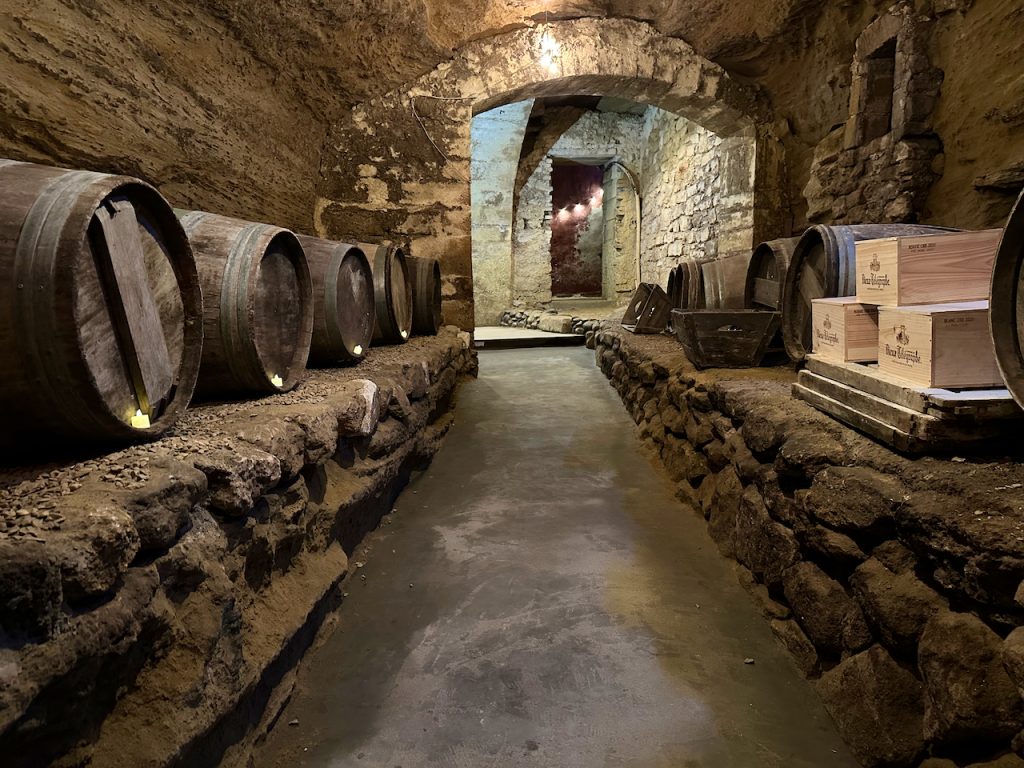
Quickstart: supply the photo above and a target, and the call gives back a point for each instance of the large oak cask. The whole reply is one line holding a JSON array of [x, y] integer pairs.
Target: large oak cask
[[767, 272], [258, 313], [1006, 315], [392, 292], [425, 275], [343, 308], [824, 266], [100, 307]]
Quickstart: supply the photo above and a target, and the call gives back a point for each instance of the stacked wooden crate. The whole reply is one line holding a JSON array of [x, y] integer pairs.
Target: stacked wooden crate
[[919, 323]]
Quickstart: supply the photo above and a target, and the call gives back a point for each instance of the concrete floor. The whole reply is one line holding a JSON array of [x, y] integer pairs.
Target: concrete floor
[[541, 599]]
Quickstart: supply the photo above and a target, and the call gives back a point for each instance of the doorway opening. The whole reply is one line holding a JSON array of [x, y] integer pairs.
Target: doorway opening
[[577, 229]]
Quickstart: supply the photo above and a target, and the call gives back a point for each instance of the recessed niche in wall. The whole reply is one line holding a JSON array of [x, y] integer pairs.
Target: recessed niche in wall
[[577, 229]]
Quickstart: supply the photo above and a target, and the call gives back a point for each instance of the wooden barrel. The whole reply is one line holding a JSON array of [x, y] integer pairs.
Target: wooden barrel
[[258, 315], [682, 287], [767, 272], [672, 289], [425, 276], [1006, 308], [342, 301], [694, 297], [392, 293], [100, 307], [824, 266]]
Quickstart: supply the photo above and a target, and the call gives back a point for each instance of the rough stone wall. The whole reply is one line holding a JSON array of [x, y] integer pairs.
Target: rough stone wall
[[497, 137], [880, 166], [681, 179], [108, 87], [595, 135], [896, 584], [174, 586], [620, 242]]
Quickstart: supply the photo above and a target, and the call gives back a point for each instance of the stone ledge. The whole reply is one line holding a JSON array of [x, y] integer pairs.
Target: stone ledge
[[864, 561], [174, 585]]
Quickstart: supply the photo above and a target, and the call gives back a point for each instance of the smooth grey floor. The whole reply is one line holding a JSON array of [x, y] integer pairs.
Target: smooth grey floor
[[542, 600]]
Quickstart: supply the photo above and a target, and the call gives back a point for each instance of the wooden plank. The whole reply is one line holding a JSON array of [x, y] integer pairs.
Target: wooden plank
[[980, 404], [929, 431], [870, 426], [767, 292], [868, 379], [903, 419], [132, 306]]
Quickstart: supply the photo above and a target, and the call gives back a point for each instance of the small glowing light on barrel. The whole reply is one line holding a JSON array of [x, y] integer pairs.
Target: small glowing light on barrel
[[405, 334], [357, 349], [276, 380], [140, 420]]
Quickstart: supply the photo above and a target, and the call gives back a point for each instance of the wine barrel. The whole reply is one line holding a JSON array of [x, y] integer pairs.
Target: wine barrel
[[392, 293], [694, 297], [724, 281], [258, 315], [682, 287], [342, 301], [425, 275], [1006, 308], [101, 310], [767, 272], [824, 266], [672, 289]]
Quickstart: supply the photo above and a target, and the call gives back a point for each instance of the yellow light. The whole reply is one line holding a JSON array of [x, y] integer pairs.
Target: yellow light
[[405, 334], [277, 381], [550, 50], [358, 349], [140, 420]]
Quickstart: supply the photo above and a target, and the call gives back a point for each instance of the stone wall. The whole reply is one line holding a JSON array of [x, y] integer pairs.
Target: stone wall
[[497, 138], [596, 136], [681, 179], [175, 586], [880, 165], [896, 584]]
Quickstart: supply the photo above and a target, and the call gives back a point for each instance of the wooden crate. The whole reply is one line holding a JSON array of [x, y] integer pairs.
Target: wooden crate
[[648, 310], [845, 330], [938, 345], [725, 338], [926, 269], [910, 419]]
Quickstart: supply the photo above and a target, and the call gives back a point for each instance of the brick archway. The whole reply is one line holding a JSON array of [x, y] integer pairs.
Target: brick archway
[[398, 168]]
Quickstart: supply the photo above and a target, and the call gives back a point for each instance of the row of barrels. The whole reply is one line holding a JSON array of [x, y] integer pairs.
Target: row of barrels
[[786, 275], [116, 308]]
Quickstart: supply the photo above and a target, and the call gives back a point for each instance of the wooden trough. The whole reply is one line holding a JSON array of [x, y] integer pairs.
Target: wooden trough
[[648, 310], [734, 338]]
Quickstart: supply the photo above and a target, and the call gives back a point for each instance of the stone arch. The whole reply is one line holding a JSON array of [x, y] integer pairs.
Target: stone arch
[[398, 167]]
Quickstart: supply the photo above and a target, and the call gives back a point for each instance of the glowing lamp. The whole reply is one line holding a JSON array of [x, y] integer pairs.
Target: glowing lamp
[[140, 420], [276, 380]]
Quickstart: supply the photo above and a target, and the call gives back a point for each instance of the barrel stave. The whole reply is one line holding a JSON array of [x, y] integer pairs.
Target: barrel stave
[[426, 284]]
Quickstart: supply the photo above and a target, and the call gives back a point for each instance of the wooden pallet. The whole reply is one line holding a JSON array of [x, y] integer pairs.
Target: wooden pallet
[[913, 420]]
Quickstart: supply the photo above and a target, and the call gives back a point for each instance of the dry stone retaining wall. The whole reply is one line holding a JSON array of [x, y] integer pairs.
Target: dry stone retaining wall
[[175, 586], [896, 584]]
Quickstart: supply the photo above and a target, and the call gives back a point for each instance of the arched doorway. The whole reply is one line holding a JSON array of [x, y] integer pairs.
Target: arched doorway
[[399, 166]]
